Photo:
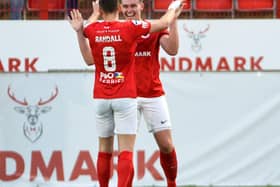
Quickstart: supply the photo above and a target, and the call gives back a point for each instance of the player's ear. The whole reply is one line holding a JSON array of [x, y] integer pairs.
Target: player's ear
[[120, 7], [142, 5]]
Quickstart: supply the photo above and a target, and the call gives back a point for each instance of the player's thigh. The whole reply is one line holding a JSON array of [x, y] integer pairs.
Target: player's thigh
[[139, 113], [104, 118], [125, 115], [156, 114]]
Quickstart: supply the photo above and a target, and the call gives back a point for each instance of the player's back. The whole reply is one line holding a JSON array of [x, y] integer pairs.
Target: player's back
[[113, 47]]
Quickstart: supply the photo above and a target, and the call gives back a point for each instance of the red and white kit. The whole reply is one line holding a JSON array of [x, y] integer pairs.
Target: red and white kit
[[151, 99], [113, 47]]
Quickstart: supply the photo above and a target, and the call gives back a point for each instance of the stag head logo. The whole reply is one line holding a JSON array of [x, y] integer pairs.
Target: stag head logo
[[196, 37], [32, 127]]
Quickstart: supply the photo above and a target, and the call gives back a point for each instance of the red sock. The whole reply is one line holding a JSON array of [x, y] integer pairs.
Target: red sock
[[125, 169], [168, 163], [130, 182], [104, 164]]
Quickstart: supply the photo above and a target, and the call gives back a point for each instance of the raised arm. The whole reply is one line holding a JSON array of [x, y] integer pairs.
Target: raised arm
[[174, 10], [95, 12], [77, 22], [170, 42]]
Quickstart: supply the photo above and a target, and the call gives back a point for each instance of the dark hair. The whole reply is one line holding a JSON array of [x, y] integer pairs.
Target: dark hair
[[141, 1], [109, 6]]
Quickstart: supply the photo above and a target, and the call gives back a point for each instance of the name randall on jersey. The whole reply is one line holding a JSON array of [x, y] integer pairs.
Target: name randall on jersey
[[108, 38]]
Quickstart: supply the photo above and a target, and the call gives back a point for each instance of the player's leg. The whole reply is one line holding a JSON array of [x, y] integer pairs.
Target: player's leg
[[125, 160], [164, 140], [125, 111], [156, 115], [105, 129], [105, 161], [168, 158]]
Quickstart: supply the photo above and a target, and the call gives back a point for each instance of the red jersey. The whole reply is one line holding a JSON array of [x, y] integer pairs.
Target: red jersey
[[147, 66], [113, 46]]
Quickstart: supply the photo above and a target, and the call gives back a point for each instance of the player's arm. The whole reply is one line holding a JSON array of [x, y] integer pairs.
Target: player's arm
[[174, 10], [95, 12], [170, 42], [77, 23]]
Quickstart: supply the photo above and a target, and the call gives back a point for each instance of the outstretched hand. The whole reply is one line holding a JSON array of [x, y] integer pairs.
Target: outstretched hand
[[76, 20], [180, 9], [95, 7], [95, 12], [178, 6]]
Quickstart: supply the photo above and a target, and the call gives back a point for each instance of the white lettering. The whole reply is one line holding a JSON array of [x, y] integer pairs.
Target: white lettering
[[143, 53], [104, 39], [111, 78]]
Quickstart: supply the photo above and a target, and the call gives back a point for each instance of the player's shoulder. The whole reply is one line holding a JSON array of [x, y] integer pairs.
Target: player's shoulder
[[92, 24], [140, 23]]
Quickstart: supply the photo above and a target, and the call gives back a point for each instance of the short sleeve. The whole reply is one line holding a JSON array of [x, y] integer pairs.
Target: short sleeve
[[141, 27]]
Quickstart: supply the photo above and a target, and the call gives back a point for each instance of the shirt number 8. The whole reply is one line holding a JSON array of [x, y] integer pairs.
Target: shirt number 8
[[109, 59]]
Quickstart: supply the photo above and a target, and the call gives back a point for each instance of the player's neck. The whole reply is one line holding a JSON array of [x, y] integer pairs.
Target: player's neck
[[111, 17], [140, 19]]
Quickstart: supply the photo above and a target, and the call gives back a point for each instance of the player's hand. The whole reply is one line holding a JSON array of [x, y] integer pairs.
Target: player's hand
[[76, 20], [95, 12], [95, 7], [180, 9], [177, 4]]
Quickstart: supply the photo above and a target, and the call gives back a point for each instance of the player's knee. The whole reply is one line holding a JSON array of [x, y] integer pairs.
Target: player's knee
[[166, 148]]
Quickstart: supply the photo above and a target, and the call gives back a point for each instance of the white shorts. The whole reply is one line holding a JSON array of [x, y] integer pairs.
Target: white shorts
[[155, 113], [116, 116]]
